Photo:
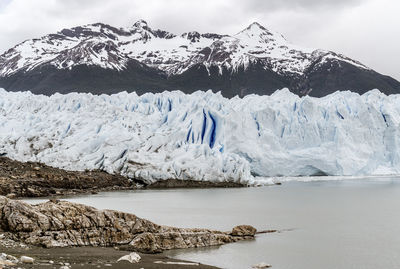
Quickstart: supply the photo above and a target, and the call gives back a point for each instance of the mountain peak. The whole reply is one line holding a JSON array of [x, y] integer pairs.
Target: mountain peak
[[140, 24], [256, 25], [143, 30], [256, 31], [254, 28]]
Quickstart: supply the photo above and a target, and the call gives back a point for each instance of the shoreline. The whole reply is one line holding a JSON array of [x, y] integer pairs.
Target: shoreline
[[19, 180], [91, 257], [37, 180], [63, 228]]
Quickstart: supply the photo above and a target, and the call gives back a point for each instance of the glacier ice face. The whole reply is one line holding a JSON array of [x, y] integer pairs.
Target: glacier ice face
[[204, 136]]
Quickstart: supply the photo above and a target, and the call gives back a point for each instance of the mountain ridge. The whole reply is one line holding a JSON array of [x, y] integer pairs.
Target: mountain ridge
[[255, 60]]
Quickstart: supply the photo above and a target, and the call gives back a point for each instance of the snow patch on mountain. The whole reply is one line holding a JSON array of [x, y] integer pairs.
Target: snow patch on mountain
[[204, 136]]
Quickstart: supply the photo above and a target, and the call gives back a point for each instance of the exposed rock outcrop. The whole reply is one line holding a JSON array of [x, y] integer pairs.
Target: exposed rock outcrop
[[33, 179], [62, 224], [243, 230]]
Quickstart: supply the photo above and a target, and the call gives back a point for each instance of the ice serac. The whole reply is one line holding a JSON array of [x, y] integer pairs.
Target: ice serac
[[204, 136]]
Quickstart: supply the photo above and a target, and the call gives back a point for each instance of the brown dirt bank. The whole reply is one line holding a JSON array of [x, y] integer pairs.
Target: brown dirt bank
[[33, 179]]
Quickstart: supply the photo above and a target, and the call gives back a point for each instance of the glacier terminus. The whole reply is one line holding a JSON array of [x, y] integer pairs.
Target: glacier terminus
[[204, 136]]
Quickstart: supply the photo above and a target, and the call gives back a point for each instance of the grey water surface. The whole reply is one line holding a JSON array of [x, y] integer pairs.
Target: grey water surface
[[325, 225]]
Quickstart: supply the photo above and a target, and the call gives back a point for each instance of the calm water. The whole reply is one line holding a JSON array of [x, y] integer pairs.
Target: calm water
[[330, 225]]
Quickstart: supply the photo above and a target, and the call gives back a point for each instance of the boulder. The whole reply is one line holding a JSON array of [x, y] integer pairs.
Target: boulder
[[132, 258], [261, 265], [243, 230], [26, 259]]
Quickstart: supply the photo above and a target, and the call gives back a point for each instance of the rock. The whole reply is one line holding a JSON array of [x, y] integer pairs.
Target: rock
[[7, 260], [4, 256], [64, 267], [65, 224], [36, 168], [132, 258], [11, 196], [267, 231], [51, 262], [12, 258], [6, 263], [26, 259], [243, 230], [32, 192], [179, 239], [261, 265]]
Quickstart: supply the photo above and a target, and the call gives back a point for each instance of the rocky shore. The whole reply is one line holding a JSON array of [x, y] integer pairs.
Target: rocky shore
[[33, 179], [61, 234], [64, 224]]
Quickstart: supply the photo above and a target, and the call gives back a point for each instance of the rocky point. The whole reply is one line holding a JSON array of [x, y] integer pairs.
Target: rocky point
[[64, 224]]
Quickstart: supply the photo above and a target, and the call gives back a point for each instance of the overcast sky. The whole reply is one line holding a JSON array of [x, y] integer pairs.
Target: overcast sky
[[365, 30]]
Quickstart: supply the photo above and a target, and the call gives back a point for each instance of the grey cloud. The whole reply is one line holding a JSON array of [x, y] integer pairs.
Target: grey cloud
[[273, 5]]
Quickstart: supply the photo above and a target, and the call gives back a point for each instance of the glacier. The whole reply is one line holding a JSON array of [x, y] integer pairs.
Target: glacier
[[204, 136]]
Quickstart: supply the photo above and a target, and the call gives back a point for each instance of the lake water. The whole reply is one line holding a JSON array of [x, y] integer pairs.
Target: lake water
[[326, 225]]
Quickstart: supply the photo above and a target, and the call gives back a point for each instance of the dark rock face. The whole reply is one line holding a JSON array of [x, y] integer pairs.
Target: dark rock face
[[63, 224], [255, 79], [48, 80], [342, 76], [141, 79]]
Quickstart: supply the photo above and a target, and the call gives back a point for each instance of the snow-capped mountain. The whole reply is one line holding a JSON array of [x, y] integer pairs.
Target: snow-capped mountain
[[103, 59], [204, 136]]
